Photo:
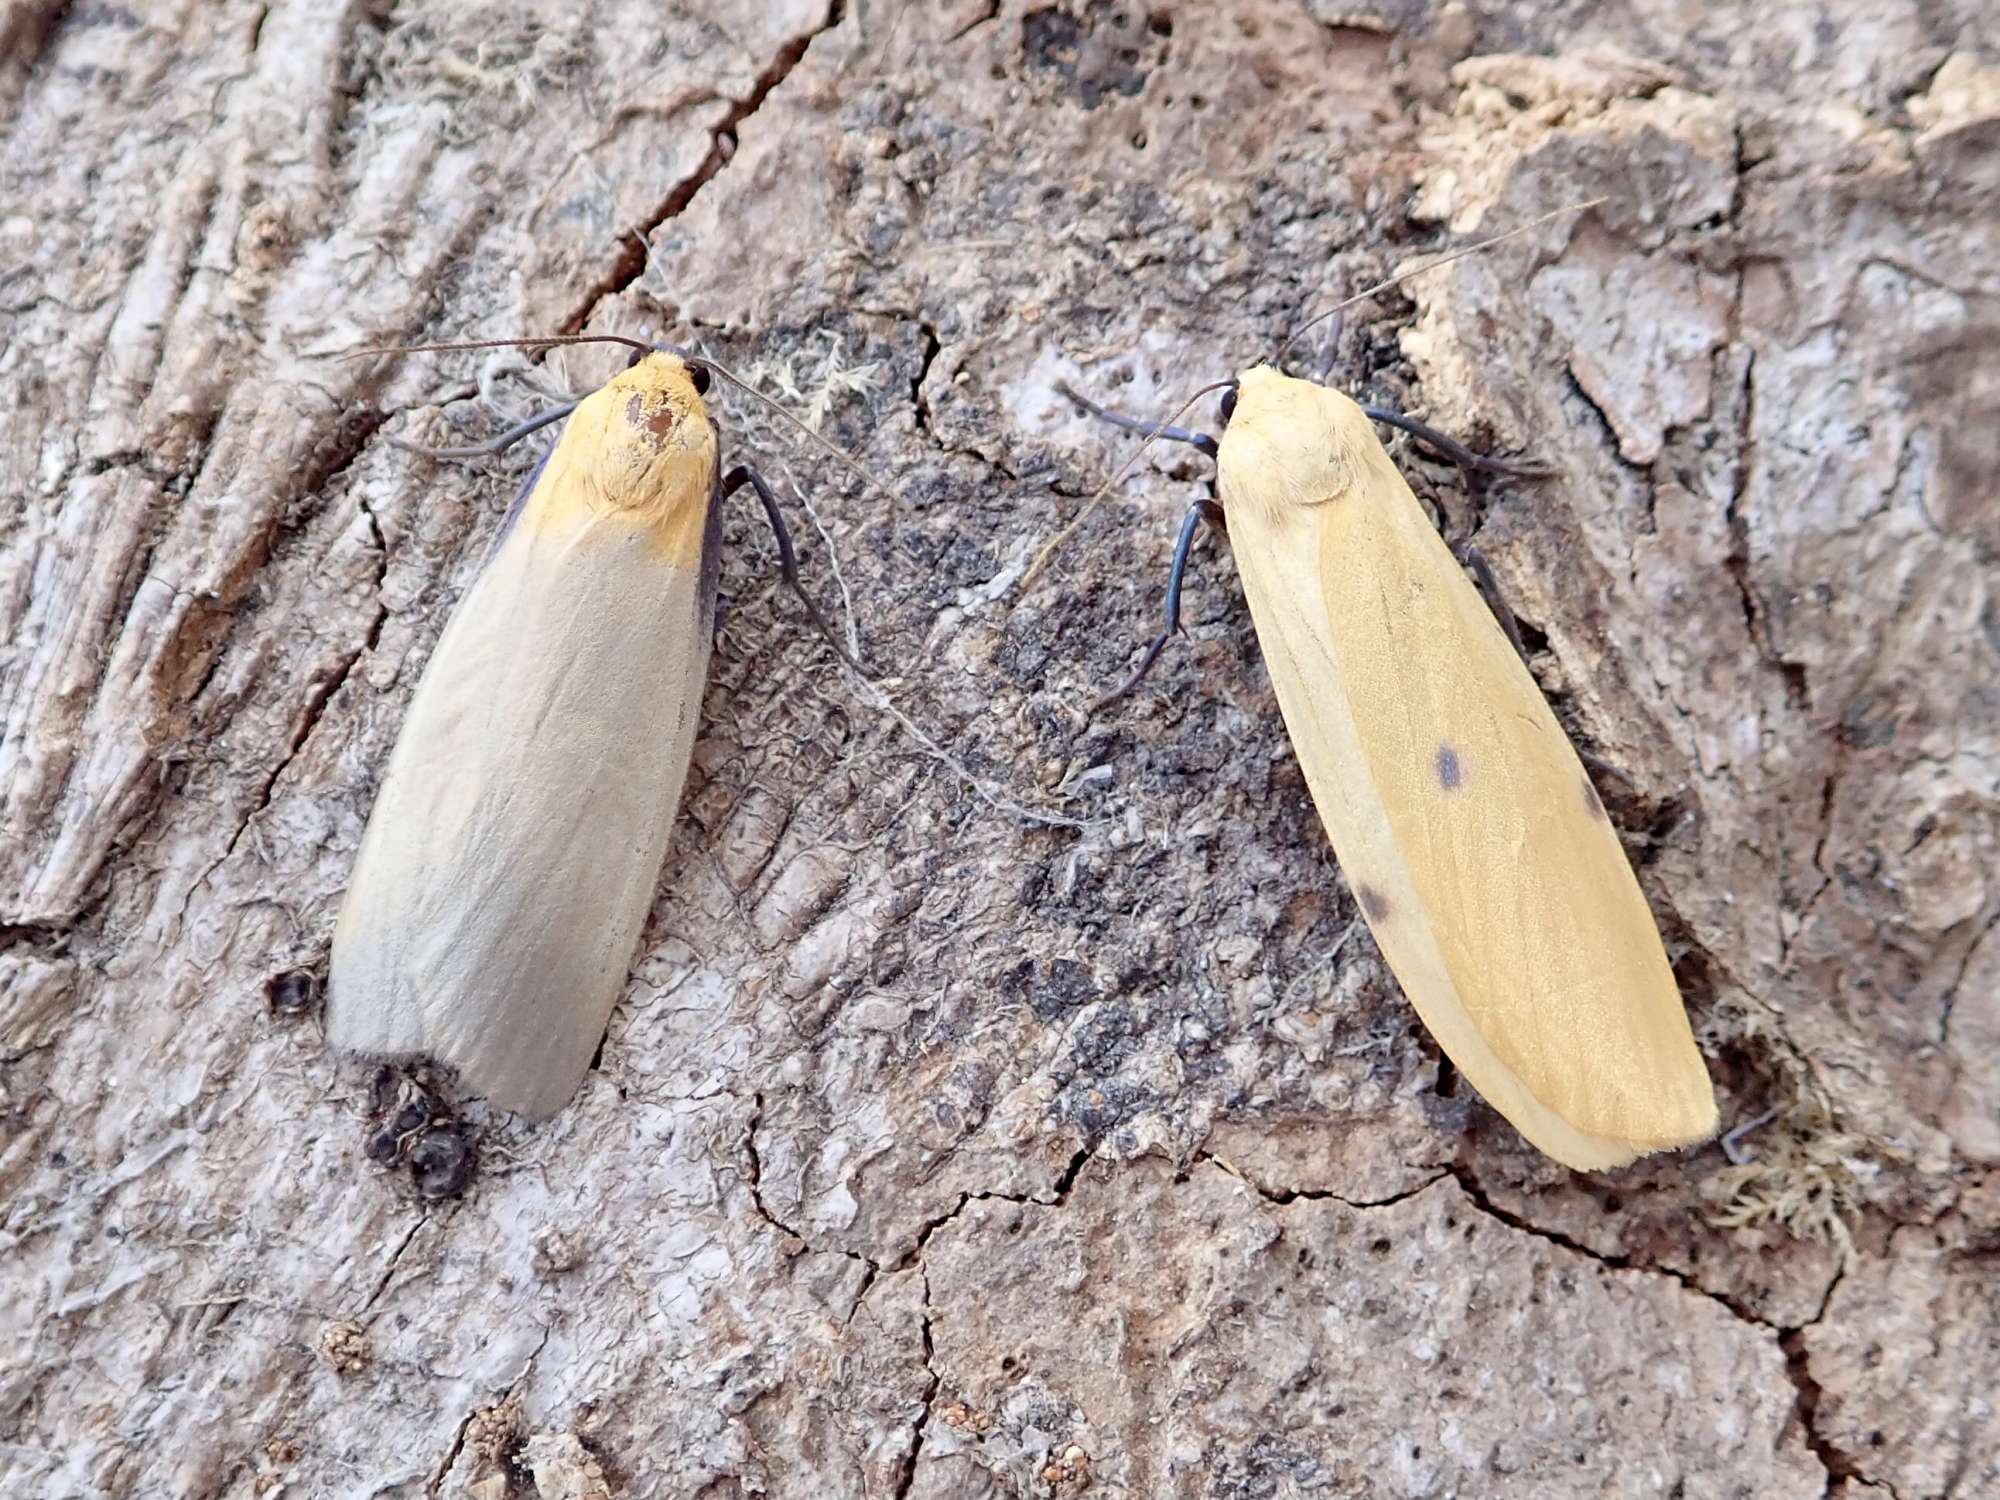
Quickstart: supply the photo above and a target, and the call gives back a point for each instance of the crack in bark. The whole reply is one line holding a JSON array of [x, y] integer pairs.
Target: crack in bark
[[349, 101], [46, 940], [1604, 419], [1826, 798], [932, 347], [991, 13], [475, 1413], [908, 1475], [1949, 1003], [151, 531], [911, 1258], [1737, 563], [1469, 1184], [451, 1454], [755, 1179], [175, 481], [317, 699], [1789, 1339], [504, 1458], [395, 1258], [1807, 1391], [1282, 1196], [159, 510], [1063, 1185], [914, 1255], [330, 460], [921, 407], [1798, 689], [630, 262]]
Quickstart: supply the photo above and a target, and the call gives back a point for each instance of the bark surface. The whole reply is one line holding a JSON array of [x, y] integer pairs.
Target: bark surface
[[1006, 1101]]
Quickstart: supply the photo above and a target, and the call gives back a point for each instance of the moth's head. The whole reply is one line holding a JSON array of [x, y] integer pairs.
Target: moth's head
[[642, 444], [1290, 441], [655, 407], [639, 451], [1264, 393]]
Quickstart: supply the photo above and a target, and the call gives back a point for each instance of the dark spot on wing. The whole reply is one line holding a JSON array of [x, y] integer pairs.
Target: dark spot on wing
[[1592, 802], [635, 410], [1373, 902], [1449, 772], [664, 419]]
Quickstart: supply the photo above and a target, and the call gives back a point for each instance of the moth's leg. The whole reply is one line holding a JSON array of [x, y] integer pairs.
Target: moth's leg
[[1201, 442], [1456, 452], [1471, 463], [1732, 1143], [788, 563], [505, 440], [1201, 510], [1489, 589]]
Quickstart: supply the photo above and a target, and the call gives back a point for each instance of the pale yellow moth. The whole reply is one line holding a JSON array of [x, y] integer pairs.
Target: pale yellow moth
[[1476, 847], [519, 833], [1474, 842]]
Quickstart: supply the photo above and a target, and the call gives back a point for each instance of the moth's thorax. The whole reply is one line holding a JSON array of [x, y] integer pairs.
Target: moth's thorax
[[641, 449], [1292, 443]]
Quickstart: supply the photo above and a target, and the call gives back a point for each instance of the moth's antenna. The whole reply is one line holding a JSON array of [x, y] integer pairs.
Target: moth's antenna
[[567, 338], [1443, 260], [1048, 548], [642, 347], [870, 692], [1042, 557], [833, 450]]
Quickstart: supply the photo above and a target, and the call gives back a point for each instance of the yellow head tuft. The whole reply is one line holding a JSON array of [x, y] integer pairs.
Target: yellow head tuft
[[1293, 443], [640, 450]]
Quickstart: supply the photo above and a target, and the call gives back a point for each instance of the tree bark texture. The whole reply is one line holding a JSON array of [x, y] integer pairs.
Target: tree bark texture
[[1006, 1100]]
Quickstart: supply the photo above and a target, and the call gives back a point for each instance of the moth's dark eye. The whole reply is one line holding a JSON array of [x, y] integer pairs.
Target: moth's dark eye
[[1228, 405], [633, 362], [698, 378]]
